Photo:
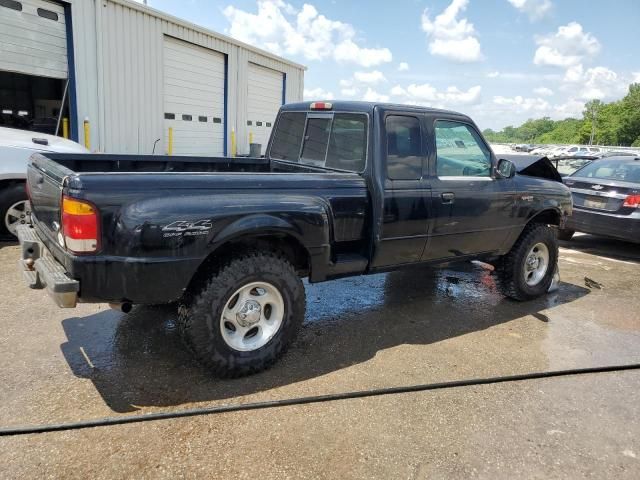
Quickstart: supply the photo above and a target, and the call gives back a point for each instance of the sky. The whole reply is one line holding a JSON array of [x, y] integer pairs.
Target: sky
[[499, 61]]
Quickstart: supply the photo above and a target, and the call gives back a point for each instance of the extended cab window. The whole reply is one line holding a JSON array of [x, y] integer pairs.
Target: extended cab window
[[460, 151], [404, 147], [327, 140]]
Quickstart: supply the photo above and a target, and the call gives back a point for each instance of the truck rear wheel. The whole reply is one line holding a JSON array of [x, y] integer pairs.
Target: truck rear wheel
[[526, 272], [245, 316]]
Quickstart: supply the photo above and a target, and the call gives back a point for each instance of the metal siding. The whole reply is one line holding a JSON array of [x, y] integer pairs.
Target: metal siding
[[31, 44], [119, 71]]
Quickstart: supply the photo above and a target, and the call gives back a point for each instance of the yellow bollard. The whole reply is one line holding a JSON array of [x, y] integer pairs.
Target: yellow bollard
[[250, 138], [65, 127], [170, 146], [87, 134], [233, 143]]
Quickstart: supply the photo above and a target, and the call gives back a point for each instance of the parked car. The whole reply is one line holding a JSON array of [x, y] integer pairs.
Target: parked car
[[524, 147], [345, 188], [16, 146], [566, 165], [606, 197], [577, 151]]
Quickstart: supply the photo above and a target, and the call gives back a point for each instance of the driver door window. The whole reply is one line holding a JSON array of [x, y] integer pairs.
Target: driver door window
[[460, 151]]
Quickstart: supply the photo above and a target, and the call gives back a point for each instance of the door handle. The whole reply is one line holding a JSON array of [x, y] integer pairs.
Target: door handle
[[448, 197]]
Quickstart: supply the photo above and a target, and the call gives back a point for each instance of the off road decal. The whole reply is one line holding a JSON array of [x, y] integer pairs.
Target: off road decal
[[185, 228]]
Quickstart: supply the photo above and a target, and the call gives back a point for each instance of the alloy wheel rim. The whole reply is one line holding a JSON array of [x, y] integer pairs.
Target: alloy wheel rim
[[252, 316], [536, 264], [17, 214]]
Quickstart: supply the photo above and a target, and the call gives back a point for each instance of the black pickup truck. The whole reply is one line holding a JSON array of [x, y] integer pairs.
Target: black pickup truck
[[348, 188]]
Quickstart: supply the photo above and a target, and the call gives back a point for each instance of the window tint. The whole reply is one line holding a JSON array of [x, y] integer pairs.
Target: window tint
[[316, 140], [340, 140], [348, 142], [288, 136], [460, 151], [404, 148]]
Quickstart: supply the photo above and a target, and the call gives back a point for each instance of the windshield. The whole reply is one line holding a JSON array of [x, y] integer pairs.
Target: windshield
[[622, 170]]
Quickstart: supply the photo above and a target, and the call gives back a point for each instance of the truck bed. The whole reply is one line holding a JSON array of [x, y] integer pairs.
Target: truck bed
[[111, 163]]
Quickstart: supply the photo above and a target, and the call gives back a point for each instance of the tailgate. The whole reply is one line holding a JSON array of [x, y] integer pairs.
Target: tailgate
[[45, 179]]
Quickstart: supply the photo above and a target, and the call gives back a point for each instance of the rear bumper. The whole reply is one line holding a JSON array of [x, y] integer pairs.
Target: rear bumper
[[41, 270], [623, 227]]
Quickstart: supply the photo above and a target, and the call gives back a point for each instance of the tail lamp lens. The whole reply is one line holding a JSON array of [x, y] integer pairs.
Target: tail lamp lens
[[632, 201], [80, 225]]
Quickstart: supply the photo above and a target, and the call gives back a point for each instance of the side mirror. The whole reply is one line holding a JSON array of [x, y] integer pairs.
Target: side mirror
[[506, 168]]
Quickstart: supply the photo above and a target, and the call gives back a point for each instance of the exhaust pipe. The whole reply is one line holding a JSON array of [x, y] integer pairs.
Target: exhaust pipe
[[124, 307]]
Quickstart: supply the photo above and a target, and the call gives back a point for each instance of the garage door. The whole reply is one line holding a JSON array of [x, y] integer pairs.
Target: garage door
[[193, 98], [33, 38], [264, 100]]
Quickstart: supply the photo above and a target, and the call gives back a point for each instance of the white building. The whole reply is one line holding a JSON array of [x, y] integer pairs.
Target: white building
[[134, 72]]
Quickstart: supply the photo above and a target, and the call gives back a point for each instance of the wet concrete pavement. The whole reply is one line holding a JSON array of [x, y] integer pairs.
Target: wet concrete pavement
[[402, 328]]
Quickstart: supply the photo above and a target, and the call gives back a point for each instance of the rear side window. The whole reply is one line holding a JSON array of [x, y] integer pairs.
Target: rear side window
[[288, 136], [404, 147], [348, 142]]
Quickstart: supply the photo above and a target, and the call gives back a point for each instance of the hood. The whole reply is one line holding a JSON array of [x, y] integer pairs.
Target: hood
[[534, 166], [12, 137]]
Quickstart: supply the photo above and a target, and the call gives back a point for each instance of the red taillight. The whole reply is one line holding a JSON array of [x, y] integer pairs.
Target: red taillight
[[321, 106], [80, 226], [632, 201]]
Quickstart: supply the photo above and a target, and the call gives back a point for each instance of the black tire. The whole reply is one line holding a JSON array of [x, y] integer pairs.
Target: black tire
[[511, 270], [565, 235], [9, 196], [200, 311]]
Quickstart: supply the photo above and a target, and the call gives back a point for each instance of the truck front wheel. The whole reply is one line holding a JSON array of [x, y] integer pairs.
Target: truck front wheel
[[526, 272], [245, 316]]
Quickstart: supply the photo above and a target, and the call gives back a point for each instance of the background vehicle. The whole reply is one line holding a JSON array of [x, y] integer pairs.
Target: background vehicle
[[16, 146], [566, 165], [606, 197], [346, 189]]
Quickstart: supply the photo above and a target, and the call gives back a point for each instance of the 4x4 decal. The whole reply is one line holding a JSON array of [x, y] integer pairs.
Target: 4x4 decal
[[187, 228]]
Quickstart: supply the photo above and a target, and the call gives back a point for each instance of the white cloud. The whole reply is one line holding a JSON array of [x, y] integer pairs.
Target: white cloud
[[494, 74], [636, 77], [349, 92], [403, 67], [569, 46], [284, 30], [317, 94], [373, 96], [522, 103], [451, 37], [426, 94], [347, 51], [369, 77], [598, 82], [543, 91], [536, 9]]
